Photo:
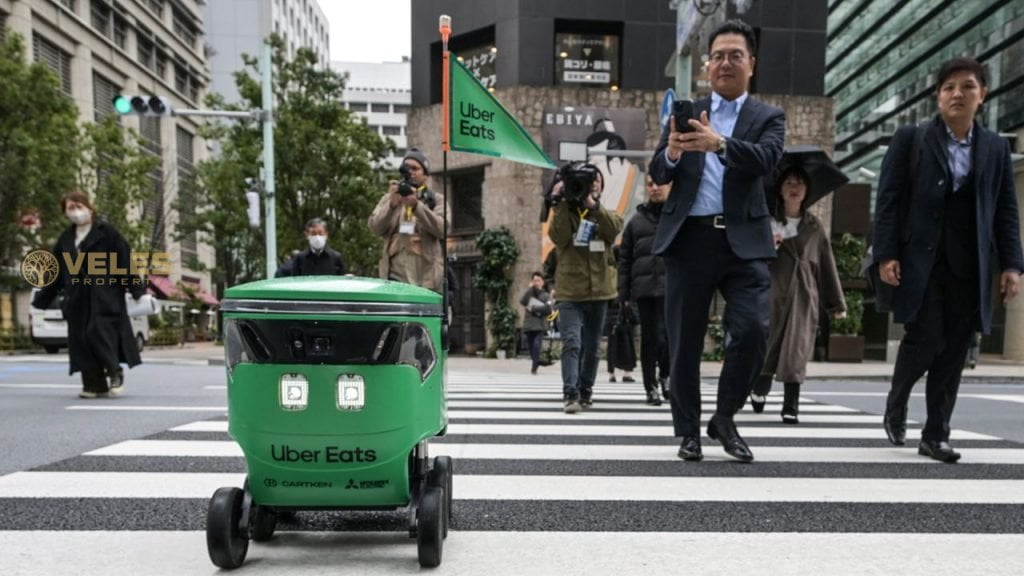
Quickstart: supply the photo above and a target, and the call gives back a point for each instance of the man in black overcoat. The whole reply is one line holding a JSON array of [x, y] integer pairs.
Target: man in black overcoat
[[946, 217]]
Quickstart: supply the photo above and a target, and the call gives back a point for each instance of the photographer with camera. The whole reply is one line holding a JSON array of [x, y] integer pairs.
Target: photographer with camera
[[410, 218], [583, 232]]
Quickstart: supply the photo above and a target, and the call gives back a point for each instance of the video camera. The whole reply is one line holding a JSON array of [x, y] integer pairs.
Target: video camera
[[577, 180]]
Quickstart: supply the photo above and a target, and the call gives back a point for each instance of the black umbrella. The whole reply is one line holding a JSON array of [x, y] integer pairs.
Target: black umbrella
[[825, 176]]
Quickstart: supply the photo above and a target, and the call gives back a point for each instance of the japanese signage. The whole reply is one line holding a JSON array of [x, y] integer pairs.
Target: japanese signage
[[480, 61], [587, 59]]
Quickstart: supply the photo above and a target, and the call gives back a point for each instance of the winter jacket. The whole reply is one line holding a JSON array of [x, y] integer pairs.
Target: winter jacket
[[584, 274], [641, 274]]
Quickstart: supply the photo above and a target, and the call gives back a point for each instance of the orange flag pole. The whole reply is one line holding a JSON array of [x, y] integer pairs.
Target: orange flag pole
[[445, 27]]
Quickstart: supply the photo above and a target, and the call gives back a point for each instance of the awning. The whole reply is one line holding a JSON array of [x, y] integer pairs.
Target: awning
[[162, 287], [203, 296], [207, 298]]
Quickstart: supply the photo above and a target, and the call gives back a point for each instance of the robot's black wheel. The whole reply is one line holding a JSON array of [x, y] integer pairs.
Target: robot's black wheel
[[441, 475], [263, 520], [225, 540], [430, 527]]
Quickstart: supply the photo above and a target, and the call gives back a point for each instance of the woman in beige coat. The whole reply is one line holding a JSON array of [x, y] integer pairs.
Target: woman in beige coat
[[803, 275]]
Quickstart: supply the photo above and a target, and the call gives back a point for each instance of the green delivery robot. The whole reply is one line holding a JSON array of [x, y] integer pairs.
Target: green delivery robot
[[335, 387]]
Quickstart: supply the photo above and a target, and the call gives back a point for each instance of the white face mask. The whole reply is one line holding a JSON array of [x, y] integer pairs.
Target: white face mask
[[317, 243], [79, 217]]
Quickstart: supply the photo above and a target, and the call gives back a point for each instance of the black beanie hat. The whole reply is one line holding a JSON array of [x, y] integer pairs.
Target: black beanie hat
[[418, 156]]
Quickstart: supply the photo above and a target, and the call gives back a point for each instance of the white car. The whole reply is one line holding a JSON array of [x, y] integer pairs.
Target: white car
[[49, 329]]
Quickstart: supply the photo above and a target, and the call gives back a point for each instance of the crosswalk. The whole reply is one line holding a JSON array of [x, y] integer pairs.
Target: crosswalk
[[538, 491]]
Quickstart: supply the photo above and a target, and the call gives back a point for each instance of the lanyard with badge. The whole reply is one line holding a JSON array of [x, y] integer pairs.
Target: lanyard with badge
[[408, 223], [585, 234]]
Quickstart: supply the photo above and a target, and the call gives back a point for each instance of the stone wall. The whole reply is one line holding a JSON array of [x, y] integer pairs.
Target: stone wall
[[512, 191]]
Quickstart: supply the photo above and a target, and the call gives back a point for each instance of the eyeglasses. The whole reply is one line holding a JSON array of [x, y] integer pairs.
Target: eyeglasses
[[735, 57]]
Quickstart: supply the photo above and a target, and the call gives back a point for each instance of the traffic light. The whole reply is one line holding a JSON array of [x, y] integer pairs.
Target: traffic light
[[252, 198], [142, 105]]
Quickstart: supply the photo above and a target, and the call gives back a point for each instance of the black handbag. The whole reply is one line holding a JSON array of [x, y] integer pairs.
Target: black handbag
[[624, 347]]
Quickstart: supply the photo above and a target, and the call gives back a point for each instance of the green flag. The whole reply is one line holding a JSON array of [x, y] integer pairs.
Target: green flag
[[481, 125]]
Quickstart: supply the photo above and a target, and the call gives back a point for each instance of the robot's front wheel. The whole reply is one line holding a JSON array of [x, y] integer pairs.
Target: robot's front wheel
[[430, 526], [226, 541]]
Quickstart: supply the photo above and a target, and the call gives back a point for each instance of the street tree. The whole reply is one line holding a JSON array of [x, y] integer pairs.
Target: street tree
[[113, 168], [327, 165], [38, 147]]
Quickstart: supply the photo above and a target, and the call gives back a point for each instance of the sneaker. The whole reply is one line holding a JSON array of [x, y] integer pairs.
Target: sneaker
[[573, 407], [87, 394], [586, 402], [115, 391]]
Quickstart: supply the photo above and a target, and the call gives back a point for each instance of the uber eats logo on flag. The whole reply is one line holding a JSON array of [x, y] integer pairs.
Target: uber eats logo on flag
[[480, 124]]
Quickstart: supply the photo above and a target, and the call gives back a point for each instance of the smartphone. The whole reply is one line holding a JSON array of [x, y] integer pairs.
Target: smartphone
[[682, 111]]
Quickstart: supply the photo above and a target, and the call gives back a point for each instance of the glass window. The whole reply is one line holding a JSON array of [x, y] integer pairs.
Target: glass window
[[401, 108], [102, 19], [588, 59], [392, 130], [58, 60], [480, 60], [120, 32], [357, 106], [183, 27], [103, 93], [384, 108], [157, 6], [466, 200], [145, 51]]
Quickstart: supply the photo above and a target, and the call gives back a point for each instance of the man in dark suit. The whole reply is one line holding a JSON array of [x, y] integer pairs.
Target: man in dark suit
[[319, 260], [941, 219], [715, 234]]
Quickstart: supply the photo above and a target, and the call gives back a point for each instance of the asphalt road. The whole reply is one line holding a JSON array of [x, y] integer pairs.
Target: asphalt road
[[536, 491]]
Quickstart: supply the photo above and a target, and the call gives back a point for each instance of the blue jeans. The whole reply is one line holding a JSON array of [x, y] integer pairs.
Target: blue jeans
[[580, 324], [534, 339]]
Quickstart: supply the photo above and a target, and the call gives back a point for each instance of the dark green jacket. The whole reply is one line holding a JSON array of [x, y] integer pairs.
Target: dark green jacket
[[583, 275]]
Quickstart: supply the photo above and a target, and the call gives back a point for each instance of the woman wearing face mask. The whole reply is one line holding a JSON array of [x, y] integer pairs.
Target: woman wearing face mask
[[803, 274], [319, 260], [99, 333]]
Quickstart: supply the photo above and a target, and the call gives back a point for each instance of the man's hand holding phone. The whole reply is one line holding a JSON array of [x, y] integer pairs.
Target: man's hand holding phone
[[688, 134]]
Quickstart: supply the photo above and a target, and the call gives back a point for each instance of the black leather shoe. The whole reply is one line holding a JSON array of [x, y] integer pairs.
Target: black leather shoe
[[940, 451], [690, 450], [896, 431], [726, 433], [653, 399]]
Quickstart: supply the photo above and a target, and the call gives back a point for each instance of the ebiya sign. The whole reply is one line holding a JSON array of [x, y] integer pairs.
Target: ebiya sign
[[480, 124], [40, 268]]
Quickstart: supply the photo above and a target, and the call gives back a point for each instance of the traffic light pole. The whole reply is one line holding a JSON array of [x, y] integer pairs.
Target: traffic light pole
[[159, 106], [268, 158]]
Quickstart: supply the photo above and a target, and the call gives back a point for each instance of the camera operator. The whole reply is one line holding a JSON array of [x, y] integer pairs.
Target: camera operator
[[410, 218], [583, 232]]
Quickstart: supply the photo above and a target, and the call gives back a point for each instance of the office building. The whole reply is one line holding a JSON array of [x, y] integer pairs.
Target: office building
[[237, 27], [380, 93], [881, 62]]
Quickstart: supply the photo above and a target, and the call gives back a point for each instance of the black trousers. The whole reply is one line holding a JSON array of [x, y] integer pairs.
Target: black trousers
[[654, 358], [936, 342], [698, 263]]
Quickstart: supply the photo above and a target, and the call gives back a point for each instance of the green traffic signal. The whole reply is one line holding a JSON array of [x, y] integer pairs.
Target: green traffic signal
[[123, 105]]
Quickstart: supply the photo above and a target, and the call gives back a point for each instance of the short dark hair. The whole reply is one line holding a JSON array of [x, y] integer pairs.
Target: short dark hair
[[538, 274], [315, 222], [955, 65], [736, 26]]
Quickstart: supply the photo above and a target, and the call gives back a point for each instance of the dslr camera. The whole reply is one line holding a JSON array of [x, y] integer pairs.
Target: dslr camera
[[406, 187]]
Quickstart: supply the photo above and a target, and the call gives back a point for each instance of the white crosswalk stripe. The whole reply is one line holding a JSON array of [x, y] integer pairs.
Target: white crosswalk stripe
[[541, 491]]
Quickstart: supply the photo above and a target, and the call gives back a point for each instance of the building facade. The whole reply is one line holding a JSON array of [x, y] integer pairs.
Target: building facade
[[590, 71], [100, 49], [237, 27], [882, 58], [380, 93]]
